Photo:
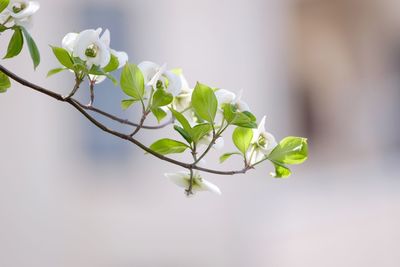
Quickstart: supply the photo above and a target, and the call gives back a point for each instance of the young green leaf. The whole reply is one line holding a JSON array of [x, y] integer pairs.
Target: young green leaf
[[159, 113], [204, 102], [125, 104], [242, 138], [281, 171], [112, 65], [16, 43], [227, 156], [291, 150], [55, 71], [132, 81], [161, 98], [168, 146], [242, 119], [199, 131], [63, 57], [4, 82], [183, 133], [3, 4], [33, 50], [182, 120]]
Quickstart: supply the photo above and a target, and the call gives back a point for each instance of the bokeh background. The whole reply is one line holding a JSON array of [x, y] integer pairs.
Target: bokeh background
[[71, 195]]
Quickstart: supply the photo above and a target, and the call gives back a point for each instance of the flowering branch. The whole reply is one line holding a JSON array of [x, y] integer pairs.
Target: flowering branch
[[200, 115]]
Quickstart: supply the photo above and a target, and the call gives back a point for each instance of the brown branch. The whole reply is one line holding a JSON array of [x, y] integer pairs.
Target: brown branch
[[78, 106]]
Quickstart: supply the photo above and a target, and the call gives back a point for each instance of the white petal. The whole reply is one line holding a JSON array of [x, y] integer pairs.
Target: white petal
[[31, 8], [122, 57], [104, 54], [105, 37], [219, 143], [149, 69], [208, 186], [180, 178], [242, 106], [174, 85], [261, 126], [224, 96], [85, 39], [98, 79], [69, 40]]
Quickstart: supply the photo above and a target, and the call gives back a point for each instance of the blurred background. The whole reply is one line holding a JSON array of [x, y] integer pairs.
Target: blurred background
[[71, 195]]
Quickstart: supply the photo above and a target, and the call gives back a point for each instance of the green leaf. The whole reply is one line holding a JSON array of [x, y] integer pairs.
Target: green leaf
[[291, 150], [3, 4], [4, 82], [168, 146], [55, 71], [204, 102], [33, 50], [281, 171], [199, 131], [183, 133], [132, 81], [159, 113], [250, 116], [125, 104], [63, 57], [242, 119], [227, 156], [242, 138], [182, 120], [112, 65], [2, 27], [16, 44], [161, 98]]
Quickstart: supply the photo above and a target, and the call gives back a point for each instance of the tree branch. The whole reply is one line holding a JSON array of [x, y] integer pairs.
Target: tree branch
[[81, 108]]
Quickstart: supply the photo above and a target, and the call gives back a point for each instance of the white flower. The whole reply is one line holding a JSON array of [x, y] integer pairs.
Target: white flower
[[90, 47], [70, 43], [154, 73], [183, 100], [21, 11], [182, 179], [262, 144], [227, 97]]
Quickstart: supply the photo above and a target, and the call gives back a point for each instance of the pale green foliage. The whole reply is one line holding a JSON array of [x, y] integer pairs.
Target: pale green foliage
[[132, 81], [204, 102], [242, 138], [168, 146], [4, 82]]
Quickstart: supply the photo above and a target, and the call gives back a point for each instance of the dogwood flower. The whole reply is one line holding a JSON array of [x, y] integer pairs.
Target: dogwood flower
[[182, 179], [155, 75], [262, 143], [227, 97], [20, 12], [71, 41], [183, 100], [90, 47]]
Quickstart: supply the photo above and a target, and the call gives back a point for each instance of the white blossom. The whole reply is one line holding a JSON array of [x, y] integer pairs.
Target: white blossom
[[19, 12], [93, 48], [262, 143], [227, 97], [182, 179], [75, 44], [154, 73]]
